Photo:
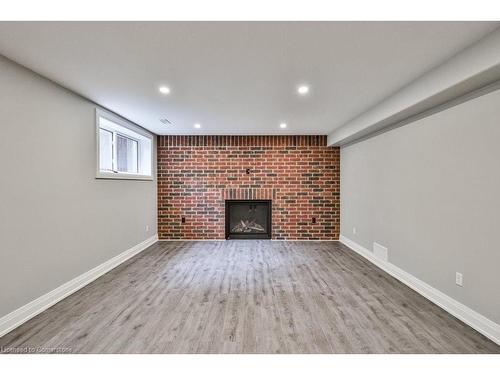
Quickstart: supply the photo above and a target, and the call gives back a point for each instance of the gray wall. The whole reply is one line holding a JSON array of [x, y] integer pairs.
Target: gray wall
[[430, 192], [56, 220]]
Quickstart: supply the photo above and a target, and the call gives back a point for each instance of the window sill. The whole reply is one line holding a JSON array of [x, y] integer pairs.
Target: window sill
[[119, 176]]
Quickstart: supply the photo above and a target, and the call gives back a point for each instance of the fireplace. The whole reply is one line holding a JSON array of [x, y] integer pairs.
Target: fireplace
[[248, 219]]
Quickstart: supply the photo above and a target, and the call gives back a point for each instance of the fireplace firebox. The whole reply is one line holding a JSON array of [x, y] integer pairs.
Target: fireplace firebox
[[248, 219]]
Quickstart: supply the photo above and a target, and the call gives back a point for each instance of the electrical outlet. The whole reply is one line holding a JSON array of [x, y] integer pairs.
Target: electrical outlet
[[459, 279], [147, 228], [353, 230]]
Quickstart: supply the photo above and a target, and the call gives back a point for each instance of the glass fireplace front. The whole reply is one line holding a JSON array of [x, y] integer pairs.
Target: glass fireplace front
[[247, 219]]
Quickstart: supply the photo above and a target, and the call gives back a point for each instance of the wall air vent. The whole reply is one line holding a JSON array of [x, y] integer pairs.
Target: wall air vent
[[165, 121]]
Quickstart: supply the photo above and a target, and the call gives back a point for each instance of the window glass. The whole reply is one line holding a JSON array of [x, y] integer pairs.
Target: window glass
[[126, 154], [124, 150], [106, 150]]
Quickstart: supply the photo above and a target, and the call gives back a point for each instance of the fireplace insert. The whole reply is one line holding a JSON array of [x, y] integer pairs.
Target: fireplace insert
[[247, 219]]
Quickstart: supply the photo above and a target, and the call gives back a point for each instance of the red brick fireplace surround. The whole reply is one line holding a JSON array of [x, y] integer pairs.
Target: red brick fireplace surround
[[196, 174]]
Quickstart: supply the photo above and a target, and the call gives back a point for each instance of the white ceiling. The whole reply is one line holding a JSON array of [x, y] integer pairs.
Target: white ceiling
[[236, 77]]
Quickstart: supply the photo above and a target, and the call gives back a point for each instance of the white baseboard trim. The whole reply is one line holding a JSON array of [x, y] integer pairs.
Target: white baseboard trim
[[470, 317], [28, 311]]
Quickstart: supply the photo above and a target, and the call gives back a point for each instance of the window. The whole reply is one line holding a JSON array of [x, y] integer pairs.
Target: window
[[124, 149], [126, 154]]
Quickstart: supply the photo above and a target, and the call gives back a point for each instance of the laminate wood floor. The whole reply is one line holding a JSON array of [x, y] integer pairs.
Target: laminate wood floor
[[248, 297]]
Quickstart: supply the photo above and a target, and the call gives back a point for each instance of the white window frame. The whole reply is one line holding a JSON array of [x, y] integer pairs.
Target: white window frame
[[130, 131]]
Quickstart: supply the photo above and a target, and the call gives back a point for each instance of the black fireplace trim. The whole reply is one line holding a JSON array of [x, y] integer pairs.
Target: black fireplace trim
[[252, 236]]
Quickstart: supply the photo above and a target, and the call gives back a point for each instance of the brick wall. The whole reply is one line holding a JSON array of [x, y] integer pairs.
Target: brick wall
[[299, 173]]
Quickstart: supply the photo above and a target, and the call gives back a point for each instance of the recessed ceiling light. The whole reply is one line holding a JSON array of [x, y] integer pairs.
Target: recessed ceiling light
[[283, 125], [197, 126], [164, 90], [303, 89]]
